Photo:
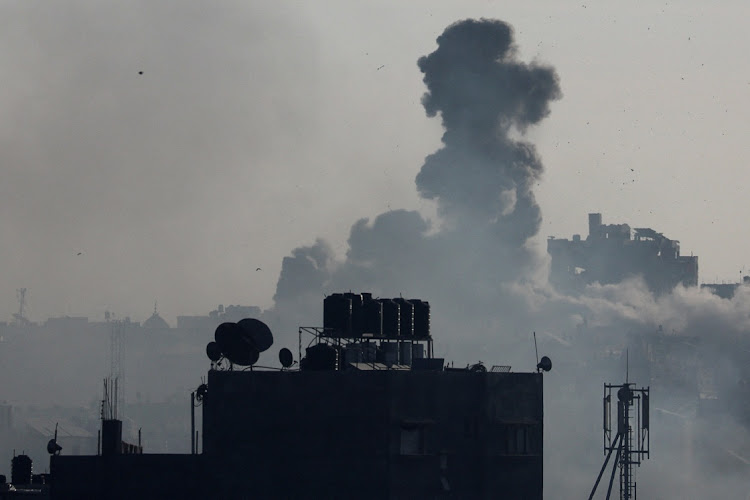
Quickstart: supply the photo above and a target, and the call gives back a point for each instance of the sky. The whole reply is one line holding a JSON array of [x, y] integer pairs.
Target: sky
[[176, 154]]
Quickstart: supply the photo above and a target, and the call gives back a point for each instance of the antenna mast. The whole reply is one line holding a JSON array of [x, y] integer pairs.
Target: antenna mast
[[20, 316], [116, 375], [630, 438]]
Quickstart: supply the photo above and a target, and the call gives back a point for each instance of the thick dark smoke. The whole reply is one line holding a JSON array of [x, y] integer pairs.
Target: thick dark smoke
[[483, 93], [481, 180], [480, 272]]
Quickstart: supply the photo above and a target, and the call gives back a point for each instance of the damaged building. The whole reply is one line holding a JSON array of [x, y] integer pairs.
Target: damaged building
[[614, 252]]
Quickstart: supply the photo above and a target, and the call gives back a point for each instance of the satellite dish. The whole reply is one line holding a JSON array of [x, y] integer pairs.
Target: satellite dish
[[478, 368], [286, 358], [224, 334], [201, 392], [213, 351], [258, 333], [545, 364], [53, 448], [236, 344]]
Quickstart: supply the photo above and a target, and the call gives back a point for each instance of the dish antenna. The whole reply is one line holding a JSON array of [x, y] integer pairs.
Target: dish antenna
[[285, 357], [544, 365], [258, 333], [200, 393], [52, 447], [213, 351], [241, 343]]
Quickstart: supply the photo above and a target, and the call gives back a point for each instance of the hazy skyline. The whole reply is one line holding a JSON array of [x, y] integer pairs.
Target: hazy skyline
[[254, 130]]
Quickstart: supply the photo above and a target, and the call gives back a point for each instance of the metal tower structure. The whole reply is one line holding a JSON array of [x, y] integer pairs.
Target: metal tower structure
[[20, 316], [116, 375], [629, 437]]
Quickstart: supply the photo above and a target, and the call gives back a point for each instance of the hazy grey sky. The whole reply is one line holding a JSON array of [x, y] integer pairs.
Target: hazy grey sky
[[257, 127]]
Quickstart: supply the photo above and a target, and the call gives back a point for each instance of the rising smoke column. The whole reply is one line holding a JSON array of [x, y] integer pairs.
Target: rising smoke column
[[482, 181], [484, 95], [476, 272]]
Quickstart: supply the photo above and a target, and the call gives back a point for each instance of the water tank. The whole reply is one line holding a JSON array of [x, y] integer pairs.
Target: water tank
[[405, 353], [358, 322], [353, 354], [337, 315], [417, 351], [390, 353], [369, 352], [391, 318], [407, 317], [421, 318], [372, 312], [20, 470], [320, 357]]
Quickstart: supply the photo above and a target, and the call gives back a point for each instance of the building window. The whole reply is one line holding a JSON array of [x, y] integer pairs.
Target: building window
[[521, 439], [412, 439]]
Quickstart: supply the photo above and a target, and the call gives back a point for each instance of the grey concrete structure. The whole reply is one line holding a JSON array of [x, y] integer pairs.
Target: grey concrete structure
[[614, 252]]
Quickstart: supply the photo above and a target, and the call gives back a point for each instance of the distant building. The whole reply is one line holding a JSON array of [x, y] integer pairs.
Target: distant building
[[613, 252], [67, 323], [725, 290], [155, 321]]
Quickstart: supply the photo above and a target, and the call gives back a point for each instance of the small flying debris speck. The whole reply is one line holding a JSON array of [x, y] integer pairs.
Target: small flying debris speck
[[80, 253], [140, 72]]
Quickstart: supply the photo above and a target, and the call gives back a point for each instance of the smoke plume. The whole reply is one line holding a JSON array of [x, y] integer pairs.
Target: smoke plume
[[481, 179], [480, 271]]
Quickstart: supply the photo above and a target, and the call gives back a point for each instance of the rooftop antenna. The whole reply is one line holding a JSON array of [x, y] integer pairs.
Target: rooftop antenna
[[545, 364], [20, 316], [630, 438], [116, 372]]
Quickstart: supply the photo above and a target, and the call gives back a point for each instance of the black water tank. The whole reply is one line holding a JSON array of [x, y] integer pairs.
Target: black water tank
[[421, 318], [320, 357], [372, 312], [391, 318], [337, 315], [358, 316], [407, 317], [20, 470]]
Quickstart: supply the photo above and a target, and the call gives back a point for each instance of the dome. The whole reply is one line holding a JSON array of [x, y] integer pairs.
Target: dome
[[155, 321]]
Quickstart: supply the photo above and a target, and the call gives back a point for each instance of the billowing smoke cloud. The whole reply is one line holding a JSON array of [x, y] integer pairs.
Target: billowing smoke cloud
[[480, 272], [481, 180], [482, 93]]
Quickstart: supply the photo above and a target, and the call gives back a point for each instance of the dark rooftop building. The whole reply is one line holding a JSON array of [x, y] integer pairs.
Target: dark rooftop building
[[370, 413], [614, 252]]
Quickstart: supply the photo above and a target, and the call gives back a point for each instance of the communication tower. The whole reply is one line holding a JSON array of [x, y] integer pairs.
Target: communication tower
[[628, 436], [20, 316], [116, 375]]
